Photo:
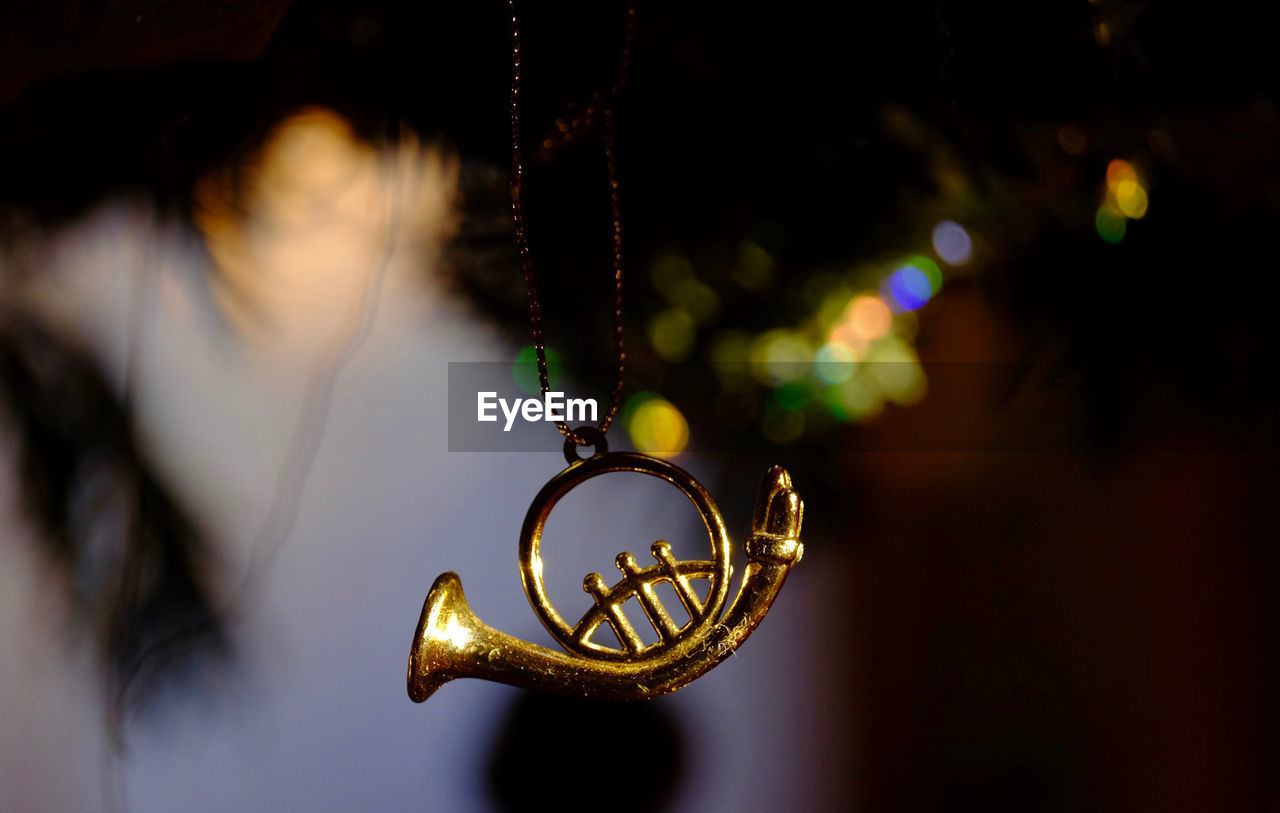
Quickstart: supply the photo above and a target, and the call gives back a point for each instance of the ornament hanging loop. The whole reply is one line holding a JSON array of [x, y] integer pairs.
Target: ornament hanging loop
[[584, 436]]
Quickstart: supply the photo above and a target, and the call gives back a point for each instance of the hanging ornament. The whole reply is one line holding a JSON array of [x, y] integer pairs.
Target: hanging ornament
[[451, 642]]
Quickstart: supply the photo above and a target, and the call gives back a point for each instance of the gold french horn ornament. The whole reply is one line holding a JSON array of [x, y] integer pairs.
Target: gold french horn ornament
[[451, 642]]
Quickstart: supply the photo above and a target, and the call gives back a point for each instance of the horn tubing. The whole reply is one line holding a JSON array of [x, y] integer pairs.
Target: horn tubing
[[451, 642]]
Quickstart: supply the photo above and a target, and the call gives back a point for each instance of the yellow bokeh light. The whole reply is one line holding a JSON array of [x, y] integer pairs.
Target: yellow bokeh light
[[1131, 198], [831, 311], [731, 347], [896, 370], [668, 271], [672, 334], [869, 317], [861, 400], [755, 267], [696, 298], [779, 356], [658, 428], [730, 358]]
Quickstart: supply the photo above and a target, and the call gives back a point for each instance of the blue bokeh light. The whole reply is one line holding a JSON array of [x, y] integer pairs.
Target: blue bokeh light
[[910, 287]]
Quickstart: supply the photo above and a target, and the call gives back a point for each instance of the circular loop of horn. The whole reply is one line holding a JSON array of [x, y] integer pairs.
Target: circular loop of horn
[[701, 619]]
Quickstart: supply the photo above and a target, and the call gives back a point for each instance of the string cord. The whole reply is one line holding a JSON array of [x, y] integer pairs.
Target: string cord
[[605, 107]]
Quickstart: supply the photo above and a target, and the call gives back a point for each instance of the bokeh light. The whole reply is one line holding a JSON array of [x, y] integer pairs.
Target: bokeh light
[[906, 325], [930, 269], [833, 363], [668, 271], [868, 317], [909, 287], [793, 395], [658, 428], [525, 370], [731, 347], [853, 354], [895, 370], [952, 243], [842, 334], [696, 298], [1111, 223], [858, 399], [780, 356], [1131, 199], [672, 334], [1126, 198], [730, 352], [754, 268], [833, 306], [1120, 170]]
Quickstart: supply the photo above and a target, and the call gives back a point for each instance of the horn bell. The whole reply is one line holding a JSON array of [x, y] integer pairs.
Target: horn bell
[[445, 624]]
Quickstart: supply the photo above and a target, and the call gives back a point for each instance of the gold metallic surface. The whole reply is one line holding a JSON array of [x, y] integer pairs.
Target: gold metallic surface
[[451, 642]]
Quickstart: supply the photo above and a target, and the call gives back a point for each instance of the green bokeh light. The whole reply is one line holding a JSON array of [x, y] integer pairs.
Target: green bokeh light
[[525, 370], [1111, 224], [793, 395], [930, 270]]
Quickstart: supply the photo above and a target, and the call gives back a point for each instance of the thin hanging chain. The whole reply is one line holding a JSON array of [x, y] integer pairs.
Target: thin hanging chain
[[522, 239]]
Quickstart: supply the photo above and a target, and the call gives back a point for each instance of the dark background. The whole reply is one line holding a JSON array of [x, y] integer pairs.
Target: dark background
[[1079, 607]]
